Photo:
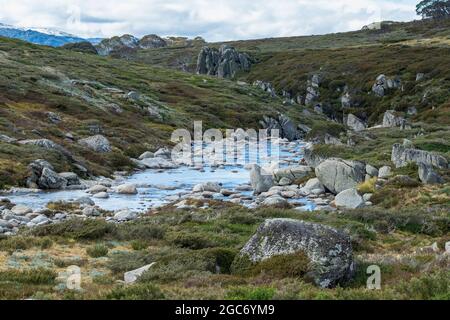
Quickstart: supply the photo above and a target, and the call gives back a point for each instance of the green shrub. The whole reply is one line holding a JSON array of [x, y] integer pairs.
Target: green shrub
[[141, 291], [367, 186], [139, 245], [144, 230], [97, 251], [192, 241], [77, 229], [249, 293], [32, 276], [126, 261]]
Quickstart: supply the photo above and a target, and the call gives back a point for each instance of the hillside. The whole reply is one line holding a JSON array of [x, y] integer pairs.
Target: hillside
[[91, 95]]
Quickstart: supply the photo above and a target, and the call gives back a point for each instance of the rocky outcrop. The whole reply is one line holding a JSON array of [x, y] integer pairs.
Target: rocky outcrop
[[286, 128], [354, 123], [383, 84], [329, 250], [392, 120], [260, 182], [97, 143], [152, 41], [42, 176], [349, 199], [311, 158], [402, 155], [312, 89], [266, 86], [338, 175], [428, 176], [223, 63], [107, 46], [47, 144]]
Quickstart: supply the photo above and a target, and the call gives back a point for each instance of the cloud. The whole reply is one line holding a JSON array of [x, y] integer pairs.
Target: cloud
[[217, 20]]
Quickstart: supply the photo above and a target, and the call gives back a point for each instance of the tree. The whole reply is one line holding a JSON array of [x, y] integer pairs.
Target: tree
[[434, 9]]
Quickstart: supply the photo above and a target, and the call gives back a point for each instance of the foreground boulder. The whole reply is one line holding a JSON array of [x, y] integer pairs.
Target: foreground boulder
[[329, 250], [349, 199], [97, 143], [260, 182], [338, 175], [402, 155]]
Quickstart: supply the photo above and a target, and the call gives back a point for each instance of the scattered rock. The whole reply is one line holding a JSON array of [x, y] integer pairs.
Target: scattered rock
[[329, 250], [71, 178], [385, 172], [97, 189], [401, 156], [5, 138], [371, 170], [349, 199], [265, 86], [127, 189], [428, 176], [392, 120], [125, 215], [292, 173], [97, 143], [313, 184], [131, 277], [158, 163], [208, 187], [286, 128], [383, 84], [355, 123], [21, 210], [101, 195], [338, 175], [91, 212], [260, 182], [146, 155], [50, 180], [274, 201]]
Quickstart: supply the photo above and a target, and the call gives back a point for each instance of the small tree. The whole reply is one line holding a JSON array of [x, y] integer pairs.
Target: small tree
[[434, 9]]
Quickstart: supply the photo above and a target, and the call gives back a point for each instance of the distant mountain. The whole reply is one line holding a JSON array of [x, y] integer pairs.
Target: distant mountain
[[42, 36]]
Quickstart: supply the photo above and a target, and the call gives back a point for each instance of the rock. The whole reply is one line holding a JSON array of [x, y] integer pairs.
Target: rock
[[152, 41], [338, 175], [284, 181], [274, 201], [382, 84], [329, 139], [131, 277], [163, 153], [371, 170], [50, 180], [355, 123], [5, 138], [158, 163], [367, 197], [223, 63], [346, 100], [54, 117], [91, 212], [284, 125], [127, 189], [71, 178], [47, 144], [401, 156], [408, 144], [313, 184], [392, 120], [21, 210], [207, 186], [349, 199], [428, 176], [312, 89], [146, 155], [97, 143], [265, 86], [117, 44], [447, 247], [226, 192], [420, 76], [412, 111], [329, 250], [311, 158], [260, 182], [101, 195], [385, 172], [97, 189], [125, 215], [85, 201], [292, 173], [40, 220]]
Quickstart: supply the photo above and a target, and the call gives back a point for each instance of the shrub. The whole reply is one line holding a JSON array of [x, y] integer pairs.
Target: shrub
[[144, 230], [126, 261], [192, 241], [77, 229], [249, 293], [141, 291], [368, 186], [139, 245], [34, 276], [97, 251]]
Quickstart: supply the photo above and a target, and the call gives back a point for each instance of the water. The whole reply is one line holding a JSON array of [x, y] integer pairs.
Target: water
[[155, 186]]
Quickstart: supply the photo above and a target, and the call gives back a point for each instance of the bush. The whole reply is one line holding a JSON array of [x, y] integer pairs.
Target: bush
[[246, 293], [141, 291], [192, 241], [97, 251], [126, 261], [144, 230], [34, 276], [77, 229], [367, 186]]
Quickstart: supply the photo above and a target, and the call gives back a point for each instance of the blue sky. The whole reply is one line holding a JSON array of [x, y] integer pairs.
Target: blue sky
[[215, 20]]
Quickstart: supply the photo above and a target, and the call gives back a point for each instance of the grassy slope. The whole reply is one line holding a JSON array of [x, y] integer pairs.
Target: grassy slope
[[33, 81]]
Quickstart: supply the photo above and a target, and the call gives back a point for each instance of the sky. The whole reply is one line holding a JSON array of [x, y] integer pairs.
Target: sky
[[215, 20]]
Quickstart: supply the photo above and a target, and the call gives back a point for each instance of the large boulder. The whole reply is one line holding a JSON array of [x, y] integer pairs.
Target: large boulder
[[223, 63], [71, 178], [383, 84], [355, 123], [127, 189], [402, 155], [208, 187], [50, 180], [338, 175], [349, 199], [260, 182], [97, 143], [392, 120], [329, 250], [428, 176], [158, 163], [292, 173]]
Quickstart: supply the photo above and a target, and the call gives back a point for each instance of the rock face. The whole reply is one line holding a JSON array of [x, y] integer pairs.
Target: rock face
[[428, 176], [152, 41], [329, 250], [260, 183], [392, 120], [401, 156], [349, 199], [223, 63], [43, 176], [383, 83], [97, 143], [338, 175], [355, 123], [284, 125]]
